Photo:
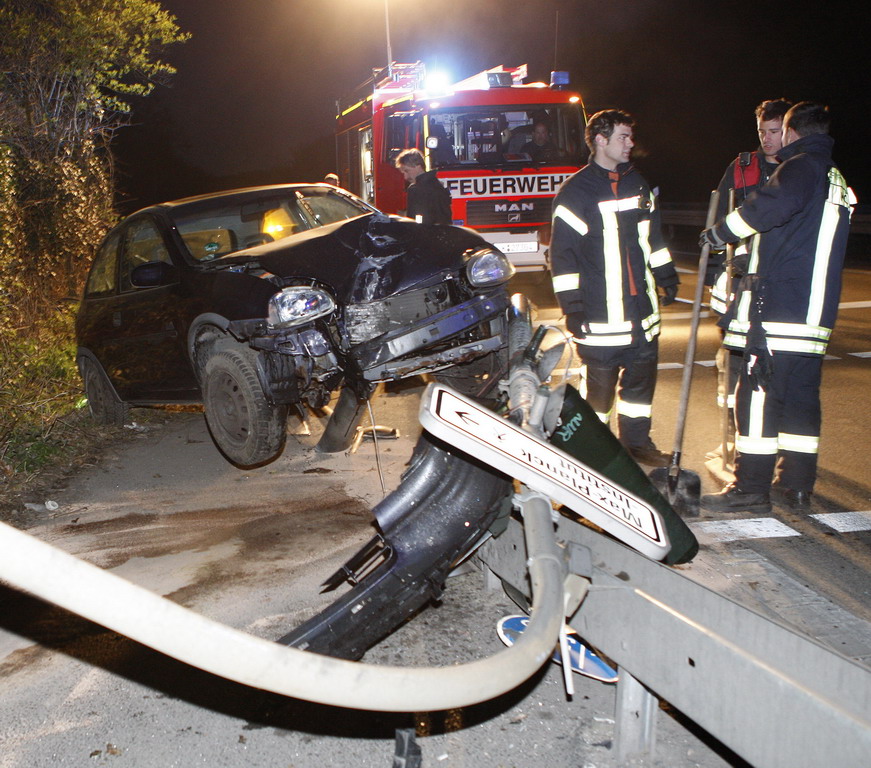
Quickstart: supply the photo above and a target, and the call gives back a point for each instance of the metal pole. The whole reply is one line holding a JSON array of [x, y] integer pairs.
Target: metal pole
[[689, 359], [728, 388], [387, 28], [635, 719], [556, 41]]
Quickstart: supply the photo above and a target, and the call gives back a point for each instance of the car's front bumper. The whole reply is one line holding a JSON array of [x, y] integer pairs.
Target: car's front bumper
[[423, 346]]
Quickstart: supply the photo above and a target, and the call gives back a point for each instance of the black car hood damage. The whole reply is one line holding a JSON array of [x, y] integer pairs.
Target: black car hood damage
[[364, 259]]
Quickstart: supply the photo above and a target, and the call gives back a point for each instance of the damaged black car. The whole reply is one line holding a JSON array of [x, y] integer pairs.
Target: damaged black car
[[259, 300]]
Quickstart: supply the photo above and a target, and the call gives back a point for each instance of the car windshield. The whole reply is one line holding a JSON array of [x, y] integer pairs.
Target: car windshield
[[218, 226]]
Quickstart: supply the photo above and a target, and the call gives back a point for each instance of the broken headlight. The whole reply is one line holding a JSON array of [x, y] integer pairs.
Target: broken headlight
[[298, 304], [488, 267]]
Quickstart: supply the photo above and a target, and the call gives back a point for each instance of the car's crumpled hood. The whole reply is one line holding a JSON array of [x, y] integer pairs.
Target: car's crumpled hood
[[367, 258]]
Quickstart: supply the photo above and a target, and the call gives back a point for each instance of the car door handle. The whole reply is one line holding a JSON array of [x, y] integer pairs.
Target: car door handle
[[116, 319]]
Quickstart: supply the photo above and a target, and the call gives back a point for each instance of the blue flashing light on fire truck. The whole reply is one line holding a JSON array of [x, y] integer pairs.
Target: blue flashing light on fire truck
[[501, 147]]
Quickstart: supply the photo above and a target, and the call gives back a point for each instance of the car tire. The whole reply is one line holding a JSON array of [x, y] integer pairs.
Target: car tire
[[104, 405], [247, 429]]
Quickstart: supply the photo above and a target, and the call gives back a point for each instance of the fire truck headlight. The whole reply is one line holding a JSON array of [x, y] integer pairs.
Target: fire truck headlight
[[488, 267], [298, 304]]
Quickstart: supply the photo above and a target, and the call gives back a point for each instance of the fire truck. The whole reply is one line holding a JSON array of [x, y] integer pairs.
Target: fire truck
[[500, 146]]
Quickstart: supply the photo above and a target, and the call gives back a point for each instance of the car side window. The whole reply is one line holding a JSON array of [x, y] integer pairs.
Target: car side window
[[101, 279], [142, 244]]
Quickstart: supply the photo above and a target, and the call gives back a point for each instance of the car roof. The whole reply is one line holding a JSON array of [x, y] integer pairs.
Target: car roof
[[242, 191]]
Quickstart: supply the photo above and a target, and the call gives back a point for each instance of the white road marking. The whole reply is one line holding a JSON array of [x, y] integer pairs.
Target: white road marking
[[860, 354], [846, 522], [720, 531], [854, 304], [712, 531]]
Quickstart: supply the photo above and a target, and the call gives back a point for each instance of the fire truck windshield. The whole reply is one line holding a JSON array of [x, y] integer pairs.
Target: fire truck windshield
[[499, 135]]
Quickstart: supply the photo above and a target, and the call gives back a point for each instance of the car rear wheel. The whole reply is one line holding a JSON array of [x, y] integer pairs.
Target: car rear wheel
[[245, 427], [103, 404]]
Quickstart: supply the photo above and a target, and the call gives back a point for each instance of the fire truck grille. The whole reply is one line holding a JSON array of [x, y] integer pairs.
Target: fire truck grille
[[535, 210]]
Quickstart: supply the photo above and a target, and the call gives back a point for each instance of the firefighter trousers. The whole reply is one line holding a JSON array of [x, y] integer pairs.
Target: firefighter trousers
[[630, 374], [778, 429]]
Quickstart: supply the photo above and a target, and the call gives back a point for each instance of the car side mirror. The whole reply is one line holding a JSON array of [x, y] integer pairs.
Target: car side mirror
[[153, 274]]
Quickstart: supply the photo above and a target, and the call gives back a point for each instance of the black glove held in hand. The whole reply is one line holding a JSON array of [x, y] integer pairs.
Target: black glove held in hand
[[757, 358], [669, 294], [711, 238], [740, 262], [577, 324]]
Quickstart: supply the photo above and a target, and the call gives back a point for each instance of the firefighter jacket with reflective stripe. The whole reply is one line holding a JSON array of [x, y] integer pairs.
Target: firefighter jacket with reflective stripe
[[793, 282], [745, 174], [607, 254]]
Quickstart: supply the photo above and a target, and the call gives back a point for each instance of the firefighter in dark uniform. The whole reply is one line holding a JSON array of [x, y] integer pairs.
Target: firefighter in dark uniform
[[607, 259], [745, 174], [428, 200], [783, 313]]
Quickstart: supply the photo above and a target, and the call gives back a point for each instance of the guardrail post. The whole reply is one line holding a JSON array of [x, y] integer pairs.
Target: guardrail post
[[635, 719], [491, 580]]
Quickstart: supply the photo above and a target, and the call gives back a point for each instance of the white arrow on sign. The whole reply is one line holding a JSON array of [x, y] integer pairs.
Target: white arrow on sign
[[544, 468]]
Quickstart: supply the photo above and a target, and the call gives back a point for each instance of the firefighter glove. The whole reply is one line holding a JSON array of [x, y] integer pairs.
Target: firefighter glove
[[711, 238], [669, 294], [577, 324], [740, 262], [713, 269], [757, 358]]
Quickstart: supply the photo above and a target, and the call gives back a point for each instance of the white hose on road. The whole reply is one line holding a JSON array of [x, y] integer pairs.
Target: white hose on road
[[60, 578]]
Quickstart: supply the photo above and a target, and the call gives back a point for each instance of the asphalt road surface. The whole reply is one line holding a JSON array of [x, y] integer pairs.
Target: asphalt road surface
[[164, 510]]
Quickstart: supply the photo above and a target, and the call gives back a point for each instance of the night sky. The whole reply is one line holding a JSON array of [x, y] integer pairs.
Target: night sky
[[254, 98]]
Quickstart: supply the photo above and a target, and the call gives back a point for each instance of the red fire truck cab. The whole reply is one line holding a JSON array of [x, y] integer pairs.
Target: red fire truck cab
[[501, 147]]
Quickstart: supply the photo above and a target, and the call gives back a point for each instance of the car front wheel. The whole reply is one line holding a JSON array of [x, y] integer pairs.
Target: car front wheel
[[245, 427]]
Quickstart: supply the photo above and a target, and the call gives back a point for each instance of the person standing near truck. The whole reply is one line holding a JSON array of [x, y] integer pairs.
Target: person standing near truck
[[608, 258], [745, 174], [783, 313], [428, 201]]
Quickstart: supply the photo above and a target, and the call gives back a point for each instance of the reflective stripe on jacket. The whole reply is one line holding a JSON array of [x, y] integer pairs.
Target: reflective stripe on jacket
[[608, 256], [745, 174], [794, 276]]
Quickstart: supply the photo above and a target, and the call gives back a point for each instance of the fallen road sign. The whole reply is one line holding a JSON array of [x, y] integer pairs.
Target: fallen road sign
[[479, 432]]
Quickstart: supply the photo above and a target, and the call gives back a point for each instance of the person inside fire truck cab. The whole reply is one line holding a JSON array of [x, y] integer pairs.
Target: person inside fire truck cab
[[745, 174], [608, 258], [540, 148], [428, 200], [441, 151], [782, 314]]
